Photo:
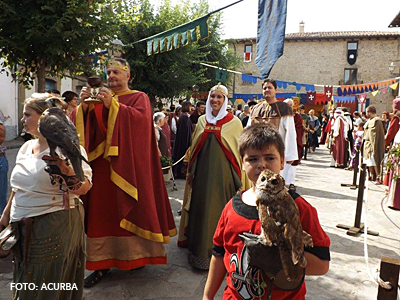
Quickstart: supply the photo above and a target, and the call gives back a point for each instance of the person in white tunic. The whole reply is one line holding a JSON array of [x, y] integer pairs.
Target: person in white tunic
[[49, 220]]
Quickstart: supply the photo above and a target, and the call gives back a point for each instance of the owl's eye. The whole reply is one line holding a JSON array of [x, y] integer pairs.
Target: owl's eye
[[274, 181], [263, 179]]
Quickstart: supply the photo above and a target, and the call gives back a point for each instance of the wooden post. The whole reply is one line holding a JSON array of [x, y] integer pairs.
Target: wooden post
[[390, 268], [356, 164], [353, 185], [358, 227]]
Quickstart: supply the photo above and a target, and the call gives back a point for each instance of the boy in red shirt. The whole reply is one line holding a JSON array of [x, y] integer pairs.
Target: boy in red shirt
[[260, 147]]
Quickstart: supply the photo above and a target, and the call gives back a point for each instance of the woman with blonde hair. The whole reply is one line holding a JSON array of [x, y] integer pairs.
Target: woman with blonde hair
[[47, 218]]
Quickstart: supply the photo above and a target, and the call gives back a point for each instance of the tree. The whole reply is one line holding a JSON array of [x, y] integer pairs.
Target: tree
[[173, 73], [52, 36]]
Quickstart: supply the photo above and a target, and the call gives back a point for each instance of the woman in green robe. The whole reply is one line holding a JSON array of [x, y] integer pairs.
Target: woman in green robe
[[214, 176]]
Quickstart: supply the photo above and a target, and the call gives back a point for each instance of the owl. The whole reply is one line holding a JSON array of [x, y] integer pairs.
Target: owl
[[280, 223]]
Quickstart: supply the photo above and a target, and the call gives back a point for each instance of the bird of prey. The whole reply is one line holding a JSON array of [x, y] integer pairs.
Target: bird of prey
[[60, 132], [280, 223]]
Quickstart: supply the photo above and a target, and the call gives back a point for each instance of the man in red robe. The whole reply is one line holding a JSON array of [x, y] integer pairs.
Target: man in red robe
[[128, 216]]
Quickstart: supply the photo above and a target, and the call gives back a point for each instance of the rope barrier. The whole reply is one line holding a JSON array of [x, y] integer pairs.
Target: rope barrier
[[377, 279], [174, 163]]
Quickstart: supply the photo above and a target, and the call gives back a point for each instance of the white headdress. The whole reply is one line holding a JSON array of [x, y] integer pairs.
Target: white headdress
[[222, 112]]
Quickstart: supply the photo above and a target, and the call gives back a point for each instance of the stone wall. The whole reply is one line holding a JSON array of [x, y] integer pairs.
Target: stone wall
[[324, 61]]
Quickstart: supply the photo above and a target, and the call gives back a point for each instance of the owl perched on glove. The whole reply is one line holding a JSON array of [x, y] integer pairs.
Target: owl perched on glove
[[280, 223]]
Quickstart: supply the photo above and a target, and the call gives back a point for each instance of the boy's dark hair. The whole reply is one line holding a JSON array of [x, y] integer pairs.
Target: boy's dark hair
[[361, 124], [239, 107], [259, 137], [270, 81], [69, 95]]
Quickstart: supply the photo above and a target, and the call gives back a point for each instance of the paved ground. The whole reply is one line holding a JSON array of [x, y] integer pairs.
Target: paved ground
[[320, 185]]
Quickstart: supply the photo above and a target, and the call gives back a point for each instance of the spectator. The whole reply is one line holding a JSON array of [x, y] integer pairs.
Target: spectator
[[200, 108], [71, 98], [182, 139]]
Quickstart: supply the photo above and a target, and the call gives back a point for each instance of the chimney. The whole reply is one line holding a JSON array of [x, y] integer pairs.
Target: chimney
[[301, 27]]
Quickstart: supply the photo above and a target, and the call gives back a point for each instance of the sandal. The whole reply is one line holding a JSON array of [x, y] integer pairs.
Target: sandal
[[96, 277]]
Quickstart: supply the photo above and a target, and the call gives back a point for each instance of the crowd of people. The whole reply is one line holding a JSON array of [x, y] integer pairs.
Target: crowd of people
[[122, 205], [355, 139]]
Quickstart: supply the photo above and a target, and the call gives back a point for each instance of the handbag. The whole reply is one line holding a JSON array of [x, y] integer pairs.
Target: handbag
[[8, 238]]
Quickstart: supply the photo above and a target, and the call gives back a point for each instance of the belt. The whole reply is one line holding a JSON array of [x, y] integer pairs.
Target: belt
[[2, 154]]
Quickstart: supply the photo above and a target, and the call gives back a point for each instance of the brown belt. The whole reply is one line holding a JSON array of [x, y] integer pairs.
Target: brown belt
[[2, 154]]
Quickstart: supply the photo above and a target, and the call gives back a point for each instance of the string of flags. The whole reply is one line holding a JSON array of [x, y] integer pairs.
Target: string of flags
[[380, 87], [345, 93]]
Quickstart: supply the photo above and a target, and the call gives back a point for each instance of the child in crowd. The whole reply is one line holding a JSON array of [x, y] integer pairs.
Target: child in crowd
[[358, 136], [260, 147]]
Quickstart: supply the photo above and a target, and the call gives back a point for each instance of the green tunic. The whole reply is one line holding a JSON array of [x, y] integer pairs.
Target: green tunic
[[215, 182]]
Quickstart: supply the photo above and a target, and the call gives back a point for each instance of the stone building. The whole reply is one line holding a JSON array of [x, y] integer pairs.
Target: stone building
[[321, 58]]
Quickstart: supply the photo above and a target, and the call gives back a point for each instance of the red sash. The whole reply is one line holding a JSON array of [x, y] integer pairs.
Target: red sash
[[216, 130]]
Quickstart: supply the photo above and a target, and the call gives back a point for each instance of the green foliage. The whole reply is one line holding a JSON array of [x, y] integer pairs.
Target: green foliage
[[173, 73], [54, 34], [165, 161], [393, 162]]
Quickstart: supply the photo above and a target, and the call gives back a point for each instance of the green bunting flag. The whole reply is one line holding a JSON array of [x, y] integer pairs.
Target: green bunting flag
[[221, 75], [178, 36]]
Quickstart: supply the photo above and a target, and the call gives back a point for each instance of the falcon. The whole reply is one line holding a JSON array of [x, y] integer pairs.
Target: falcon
[[60, 132], [280, 223]]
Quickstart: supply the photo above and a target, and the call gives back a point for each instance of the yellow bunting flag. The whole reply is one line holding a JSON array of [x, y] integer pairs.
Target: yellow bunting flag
[[374, 93], [394, 86]]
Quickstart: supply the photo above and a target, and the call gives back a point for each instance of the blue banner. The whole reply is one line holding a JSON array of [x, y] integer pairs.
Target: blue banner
[[270, 34], [249, 78]]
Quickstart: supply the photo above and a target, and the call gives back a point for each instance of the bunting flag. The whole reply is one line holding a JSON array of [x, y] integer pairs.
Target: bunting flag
[[220, 75], [384, 90], [328, 92], [270, 34], [311, 97], [320, 98], [246, 78], [374, 93], [344, 99], [299, 86], [394, 86], [179, 36]]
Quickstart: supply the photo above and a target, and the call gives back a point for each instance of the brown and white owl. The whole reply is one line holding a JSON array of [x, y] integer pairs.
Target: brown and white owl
[[280, 223]]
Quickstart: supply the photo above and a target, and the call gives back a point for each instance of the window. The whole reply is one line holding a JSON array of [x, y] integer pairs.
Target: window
[[248, 51], [50, 84], [350, 76], [352, 45], [248, 48]]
